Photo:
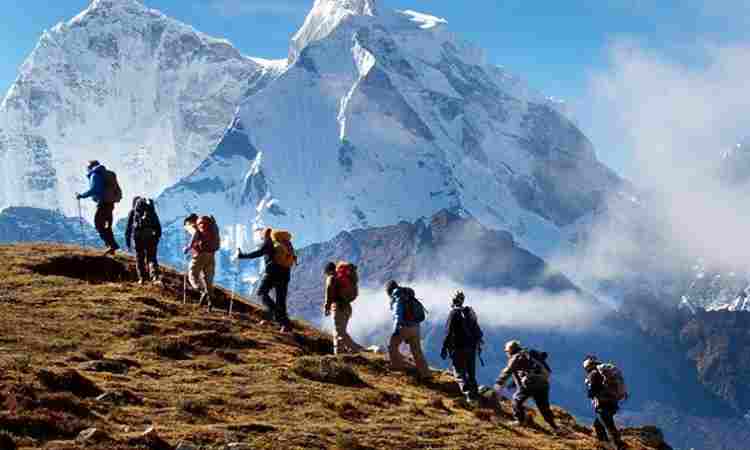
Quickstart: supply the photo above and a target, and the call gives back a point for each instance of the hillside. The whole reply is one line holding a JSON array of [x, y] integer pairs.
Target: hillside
[[75, 328]]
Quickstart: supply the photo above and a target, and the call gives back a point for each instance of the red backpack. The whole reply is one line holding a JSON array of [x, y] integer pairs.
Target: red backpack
[[208, 231], [346, 280]]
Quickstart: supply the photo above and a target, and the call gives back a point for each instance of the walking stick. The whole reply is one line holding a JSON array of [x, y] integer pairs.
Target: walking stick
[[184, 276], [80, 221]]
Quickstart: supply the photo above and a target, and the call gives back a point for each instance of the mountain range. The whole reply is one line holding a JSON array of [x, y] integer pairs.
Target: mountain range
[[385, 139]]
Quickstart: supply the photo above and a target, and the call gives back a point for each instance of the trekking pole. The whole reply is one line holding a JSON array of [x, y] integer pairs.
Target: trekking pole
[[184, 276], [80, 221], [234, 288]]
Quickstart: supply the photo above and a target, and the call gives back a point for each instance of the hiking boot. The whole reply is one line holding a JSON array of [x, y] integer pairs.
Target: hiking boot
[[517, 423], [285, 329], [110, 251], [140, 281]]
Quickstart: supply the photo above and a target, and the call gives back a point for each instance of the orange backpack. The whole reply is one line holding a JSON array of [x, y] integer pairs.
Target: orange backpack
[[283, 250]]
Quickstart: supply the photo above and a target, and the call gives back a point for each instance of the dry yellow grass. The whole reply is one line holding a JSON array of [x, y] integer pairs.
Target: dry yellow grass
[[206, 378]]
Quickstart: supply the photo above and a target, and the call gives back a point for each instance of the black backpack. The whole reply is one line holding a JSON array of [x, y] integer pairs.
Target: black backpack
[[145, 220], [469, 326]]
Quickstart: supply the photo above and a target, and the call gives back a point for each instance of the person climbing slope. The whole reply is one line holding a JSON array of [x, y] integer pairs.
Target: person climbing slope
[[144, 228], [606, 389], [105, 191], [341, 289], [279, 258], [531, 377], [462, 342], [407, 313], [203, 246]]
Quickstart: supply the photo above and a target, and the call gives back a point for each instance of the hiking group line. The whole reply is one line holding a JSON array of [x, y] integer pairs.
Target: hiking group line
[[527, 369]]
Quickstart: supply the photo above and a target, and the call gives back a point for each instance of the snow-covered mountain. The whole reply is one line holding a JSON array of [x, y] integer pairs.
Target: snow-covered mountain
[[381, 116], [145, 94]]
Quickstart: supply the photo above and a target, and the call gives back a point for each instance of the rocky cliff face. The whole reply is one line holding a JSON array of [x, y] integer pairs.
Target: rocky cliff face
[[146, 95], [445, 246]]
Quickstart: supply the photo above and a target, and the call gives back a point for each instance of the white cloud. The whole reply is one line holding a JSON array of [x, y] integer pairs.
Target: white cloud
[[676, 114], [233, 8]]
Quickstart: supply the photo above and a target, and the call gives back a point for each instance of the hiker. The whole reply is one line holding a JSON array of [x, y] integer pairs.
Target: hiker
[[144, 228], [340, 291], [606, 388], [202, 248], [105, 191], [531, 377], [408, 313], [279, 258], [462, 342]]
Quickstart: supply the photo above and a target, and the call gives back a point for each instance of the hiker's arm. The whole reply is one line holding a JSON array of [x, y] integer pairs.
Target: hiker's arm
[[398, 316], [94, 186], [262, 251], [329, 294], [594, 383], [507, 372], [448, 341], [157, 223], [129, 230]]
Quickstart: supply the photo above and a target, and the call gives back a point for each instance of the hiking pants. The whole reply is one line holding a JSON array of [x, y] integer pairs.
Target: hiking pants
[[465, 370], [275, 310], [410, 335], [201, 272], [145, 257], [103, 221], [342, 342], [604, 424], [541, 398]]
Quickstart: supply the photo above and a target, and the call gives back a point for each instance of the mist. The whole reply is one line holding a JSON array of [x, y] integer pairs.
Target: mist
[[680, 116], [535, 310]]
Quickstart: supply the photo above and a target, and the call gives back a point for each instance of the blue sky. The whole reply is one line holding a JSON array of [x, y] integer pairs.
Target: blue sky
[[558, 46]]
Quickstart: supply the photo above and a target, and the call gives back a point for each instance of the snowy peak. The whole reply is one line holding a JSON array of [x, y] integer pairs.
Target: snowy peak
[[324, 18], [146, 94]]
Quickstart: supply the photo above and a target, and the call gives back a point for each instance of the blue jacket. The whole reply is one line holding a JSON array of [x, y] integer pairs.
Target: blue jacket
[[96, 184], [397, 308]]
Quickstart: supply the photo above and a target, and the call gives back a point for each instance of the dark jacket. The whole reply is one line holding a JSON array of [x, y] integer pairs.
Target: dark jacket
[[97, 184], [456, 337], [597, 391], [129, 228], [266, 251], [518, 368]]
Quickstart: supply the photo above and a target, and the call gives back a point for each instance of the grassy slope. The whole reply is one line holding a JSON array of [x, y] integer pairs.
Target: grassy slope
[[210, 379]]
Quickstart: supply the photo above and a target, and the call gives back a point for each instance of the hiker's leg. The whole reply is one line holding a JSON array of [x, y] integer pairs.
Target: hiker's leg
[[100, 223], [397, 361], [108, 223], [342, 341], [460, 369], [600, 430], [541, 398], [209, 271], [140, 258], [415, 344], [471, 372], [195, 274], [339, 329], [282, 290], [264, 287], [519, 398], [606, 416], [152, 258]]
